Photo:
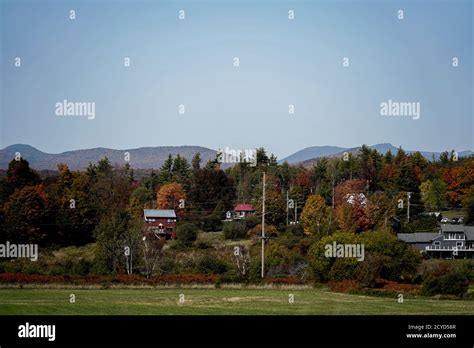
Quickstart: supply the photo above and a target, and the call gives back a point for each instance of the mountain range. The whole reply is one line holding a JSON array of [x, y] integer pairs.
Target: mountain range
[[153, 157], [141, 158], [308, 155]]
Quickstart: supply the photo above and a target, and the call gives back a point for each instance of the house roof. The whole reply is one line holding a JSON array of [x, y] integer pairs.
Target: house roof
[[159, 213], [418, 237], [452, 228], [244, 207], [468, 230]]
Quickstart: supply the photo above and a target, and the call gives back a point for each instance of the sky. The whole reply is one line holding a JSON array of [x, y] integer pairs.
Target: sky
[[190, 62]]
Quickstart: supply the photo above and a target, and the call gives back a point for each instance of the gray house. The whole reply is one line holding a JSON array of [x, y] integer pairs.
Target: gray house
[[452, 241]]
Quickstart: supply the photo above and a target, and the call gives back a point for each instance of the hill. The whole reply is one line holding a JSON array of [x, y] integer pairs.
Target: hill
[[141, 158]]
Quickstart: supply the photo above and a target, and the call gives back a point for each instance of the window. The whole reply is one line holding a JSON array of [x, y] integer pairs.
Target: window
[[437, 244], [459, 244], [454, 236]]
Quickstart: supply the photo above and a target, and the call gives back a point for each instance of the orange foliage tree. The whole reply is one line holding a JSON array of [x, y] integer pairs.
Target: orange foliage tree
[[171, 196], [459, 179]]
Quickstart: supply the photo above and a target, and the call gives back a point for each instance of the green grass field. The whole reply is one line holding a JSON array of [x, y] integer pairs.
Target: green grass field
[[215, 302]]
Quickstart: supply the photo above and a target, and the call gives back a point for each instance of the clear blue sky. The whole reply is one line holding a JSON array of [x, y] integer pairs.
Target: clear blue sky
[[282, 62]]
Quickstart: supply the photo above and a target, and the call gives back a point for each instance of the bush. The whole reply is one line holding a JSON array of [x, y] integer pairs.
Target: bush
[[368, 271], [295, 230], [283, 261], [210, 264], [343, 269], [251, 221], [454, 282], [400, 260], [422, 224], [211, 223], [203, 244], [234, 230], [107, 280], [321, 265], [344, 285], [187, 233]]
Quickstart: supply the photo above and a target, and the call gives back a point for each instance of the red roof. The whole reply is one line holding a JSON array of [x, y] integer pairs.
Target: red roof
[[244, 207]]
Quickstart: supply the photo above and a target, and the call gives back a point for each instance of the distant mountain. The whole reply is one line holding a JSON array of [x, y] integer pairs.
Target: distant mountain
[[141, 158], [310, 154], [153, 157]]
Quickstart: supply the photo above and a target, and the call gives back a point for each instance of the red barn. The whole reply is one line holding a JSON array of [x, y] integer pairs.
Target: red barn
[[162, 222]]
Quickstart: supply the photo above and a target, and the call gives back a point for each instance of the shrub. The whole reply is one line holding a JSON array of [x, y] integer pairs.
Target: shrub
[[106, 280], [468, 267], [344, 285], [321, 265], [203, 244], [454, 282], [400, 260], [210, 264], [211, 223], [469, 296], [251, 221], [234, 230], [412, 289], [295, 230], [187, 233], [256, 232], [343, 268], [284, 281], [283, 261], [422, 224], [231, 276], [368, 271]]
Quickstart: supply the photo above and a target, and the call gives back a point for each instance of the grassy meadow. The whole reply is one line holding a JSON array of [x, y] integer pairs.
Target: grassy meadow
[[211, 301]]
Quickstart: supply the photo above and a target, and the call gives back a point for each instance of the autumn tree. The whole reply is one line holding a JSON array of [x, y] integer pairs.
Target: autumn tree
[[370, 164], [433, 194], [275, 209], [171, 196], [19, 175], [27, 214], [468, 204], [109, 190], [352, 217], [459, 179], [76, 214], [380, 208], [141, 198], [316, 216], [348, 188], [118, 239]]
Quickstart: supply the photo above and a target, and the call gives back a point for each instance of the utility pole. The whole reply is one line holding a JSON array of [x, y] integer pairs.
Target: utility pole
[[263, 227], [296, 211], [408, 205], [287, 207]]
